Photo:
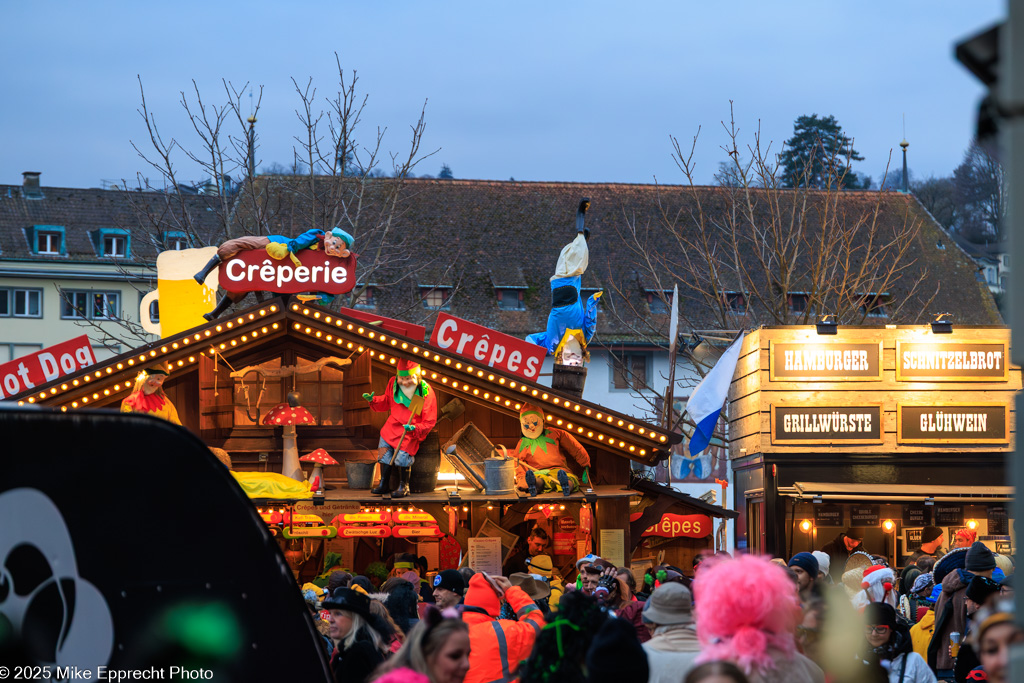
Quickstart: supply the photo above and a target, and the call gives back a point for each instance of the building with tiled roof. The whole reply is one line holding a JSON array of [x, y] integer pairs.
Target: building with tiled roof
[[78, 261]]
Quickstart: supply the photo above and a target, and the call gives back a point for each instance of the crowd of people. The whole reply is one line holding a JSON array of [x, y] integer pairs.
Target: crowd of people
[[840, 615]]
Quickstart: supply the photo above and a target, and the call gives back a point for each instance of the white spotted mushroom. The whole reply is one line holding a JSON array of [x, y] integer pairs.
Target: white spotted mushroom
[[288, 415]]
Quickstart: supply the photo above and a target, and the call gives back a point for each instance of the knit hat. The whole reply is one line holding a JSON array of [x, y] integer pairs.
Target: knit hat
[[807, 562], [670, 603], [586, 560], [880, 613], [615, 655], [450, 579], [481, 594], [348, 600], [951, 561], [540, 564], [408, 368], [980, 588], [362, 582], [979, 558], [930, 533], [856, 532], [824, 561], [924, 582]]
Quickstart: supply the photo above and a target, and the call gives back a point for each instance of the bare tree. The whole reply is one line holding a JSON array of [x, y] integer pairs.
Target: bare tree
[[753, 252], [979, 187]]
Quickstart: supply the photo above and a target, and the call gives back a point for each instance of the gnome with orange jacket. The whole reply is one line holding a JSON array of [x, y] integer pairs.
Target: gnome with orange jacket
[[542, 455], [413, 413]]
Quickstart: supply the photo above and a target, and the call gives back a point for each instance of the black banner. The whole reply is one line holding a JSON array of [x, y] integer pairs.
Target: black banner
[[983, 423], [826, 424], [828, 514], [951, 362], [916, 515], [864, 515], [824, 361], [947, 514], [130, 546]]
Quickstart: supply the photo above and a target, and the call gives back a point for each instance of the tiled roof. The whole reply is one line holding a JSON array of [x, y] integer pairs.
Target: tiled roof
[[476, 235], [81, 212]]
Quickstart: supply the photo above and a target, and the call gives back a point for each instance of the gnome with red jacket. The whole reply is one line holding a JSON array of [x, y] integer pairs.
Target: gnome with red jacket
[[542, 454], [406, 428]]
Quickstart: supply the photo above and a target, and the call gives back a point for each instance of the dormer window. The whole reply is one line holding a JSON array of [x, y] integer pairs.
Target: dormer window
[[659, 300], [875, 305], [798, 302], [46, 240], [366, 298], [175, 240], [111, 242], [735, 302], [436, 298], [511, 299]]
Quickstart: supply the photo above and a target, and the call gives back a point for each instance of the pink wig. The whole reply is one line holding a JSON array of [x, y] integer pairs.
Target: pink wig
[[745, 606]]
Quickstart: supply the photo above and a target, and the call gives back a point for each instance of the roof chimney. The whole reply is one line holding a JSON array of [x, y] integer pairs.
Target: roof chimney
[[30, 185]]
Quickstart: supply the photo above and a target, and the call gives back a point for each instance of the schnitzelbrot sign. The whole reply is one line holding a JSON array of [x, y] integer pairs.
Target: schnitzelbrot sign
[[979, 423], [824, 361], [826, 424], [951, 362]]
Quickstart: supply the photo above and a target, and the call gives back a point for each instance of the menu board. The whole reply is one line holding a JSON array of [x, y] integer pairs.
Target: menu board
[[916, 514], [951, 362], [828, 514], [824, 361], [953, 423], [998, 520], [864, 515], [825, 424], [949, 515]]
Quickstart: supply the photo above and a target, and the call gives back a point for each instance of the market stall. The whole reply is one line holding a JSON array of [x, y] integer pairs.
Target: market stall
[[286, 379], [890, 428]]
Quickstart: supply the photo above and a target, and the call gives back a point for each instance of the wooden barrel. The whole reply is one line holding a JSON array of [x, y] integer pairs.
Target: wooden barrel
[[569, 379], [423, 478]]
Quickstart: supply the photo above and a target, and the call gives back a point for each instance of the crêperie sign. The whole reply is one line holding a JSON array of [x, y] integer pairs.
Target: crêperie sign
[[254, 271], [824, 361]]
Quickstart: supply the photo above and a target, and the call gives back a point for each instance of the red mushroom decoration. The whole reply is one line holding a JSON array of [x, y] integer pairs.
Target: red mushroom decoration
[[288, 415], [319, 458]]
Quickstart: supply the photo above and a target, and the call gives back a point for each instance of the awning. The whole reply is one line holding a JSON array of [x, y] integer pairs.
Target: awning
[[912, 493]]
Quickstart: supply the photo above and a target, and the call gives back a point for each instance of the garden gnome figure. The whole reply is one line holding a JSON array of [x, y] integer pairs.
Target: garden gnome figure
[[542, 455], [413, 413], [148, 396]]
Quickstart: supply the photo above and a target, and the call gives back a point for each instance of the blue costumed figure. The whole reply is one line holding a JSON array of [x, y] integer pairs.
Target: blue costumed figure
[[572, 320]]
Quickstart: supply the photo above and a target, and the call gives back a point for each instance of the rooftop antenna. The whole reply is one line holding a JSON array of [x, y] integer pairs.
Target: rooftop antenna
[[905, 186]]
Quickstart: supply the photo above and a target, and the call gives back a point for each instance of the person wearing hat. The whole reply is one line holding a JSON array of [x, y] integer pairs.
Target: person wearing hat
[[538, 589], [922, 631], [448, 588], [542, 452], [840, 548], [978, 592], [358, 646], [931, 544], [805, 566], [824, 563], [404, 430], [616, 655], [541, 565], [951, 607], [887, 644], [996, 633], [673, 646], [148, 396], [498, 645]]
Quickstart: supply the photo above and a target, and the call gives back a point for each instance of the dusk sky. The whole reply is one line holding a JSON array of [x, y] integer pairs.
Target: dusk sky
[[570, 91]]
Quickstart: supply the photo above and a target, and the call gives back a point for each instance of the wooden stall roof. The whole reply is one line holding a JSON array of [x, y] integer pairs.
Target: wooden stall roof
[[107, 383], [467, 495], [653, 488]]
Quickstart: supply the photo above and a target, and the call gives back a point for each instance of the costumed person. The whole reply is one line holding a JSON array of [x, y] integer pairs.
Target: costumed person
[[877, 585], [359, 646], [337, 242], [747, 612], [413, 413], [572, 321], [498, 645], [541, 566], [541, 453], [148, 396]]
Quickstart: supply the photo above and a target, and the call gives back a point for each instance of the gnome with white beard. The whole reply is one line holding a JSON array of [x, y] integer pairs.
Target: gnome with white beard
[[413, 413]]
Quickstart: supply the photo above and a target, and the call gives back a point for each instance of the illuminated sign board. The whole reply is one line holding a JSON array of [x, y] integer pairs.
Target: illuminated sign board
[[824, 361], [254, 271], [951, 362], [839, 424], [953, 423]]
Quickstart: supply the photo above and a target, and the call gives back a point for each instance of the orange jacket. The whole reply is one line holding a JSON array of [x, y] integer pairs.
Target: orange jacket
[[498, 645]]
